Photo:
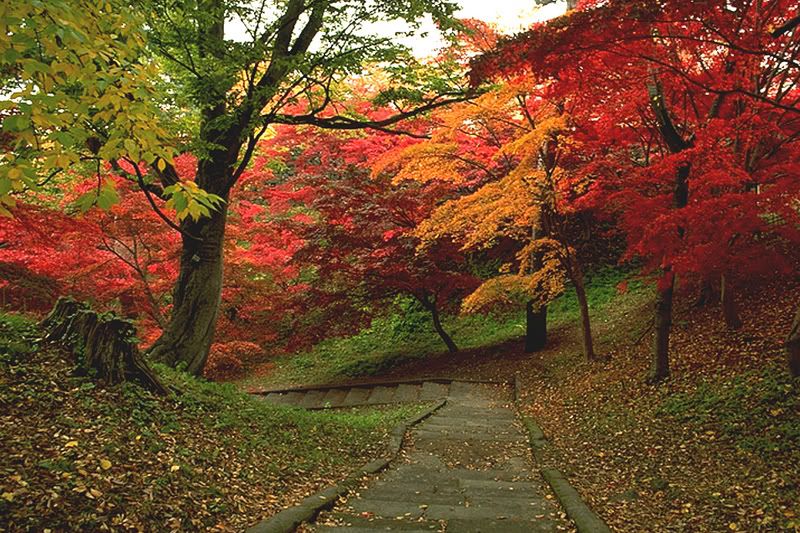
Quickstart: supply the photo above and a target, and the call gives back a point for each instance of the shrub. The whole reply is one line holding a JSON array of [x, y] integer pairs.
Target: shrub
[[226, 360]]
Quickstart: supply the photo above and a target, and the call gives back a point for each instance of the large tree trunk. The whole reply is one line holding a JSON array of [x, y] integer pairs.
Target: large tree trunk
[[793, 346], [729, 309], [187, 338], [586, 325], [104, 345], [659, 370], [535, 327]]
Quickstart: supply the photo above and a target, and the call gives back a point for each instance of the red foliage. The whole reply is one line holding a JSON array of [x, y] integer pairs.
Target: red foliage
[[228, 360], [729, 90]]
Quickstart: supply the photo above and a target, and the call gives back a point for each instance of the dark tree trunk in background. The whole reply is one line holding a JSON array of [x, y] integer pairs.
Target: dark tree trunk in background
[[431, 305], [187, 338], [793, 346], [659, 369], [535, 327], [104, 345], [706, 295], [680, 197], [728, 301], [586, 325]]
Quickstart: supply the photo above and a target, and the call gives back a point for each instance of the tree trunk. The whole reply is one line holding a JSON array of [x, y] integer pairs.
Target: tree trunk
[[707, 295], [659, 370], [793, 346], [430, 304], [586, 326], [535, 328], [187, 338], [105, 344], [437, 325], [680, 197], [729, 309]]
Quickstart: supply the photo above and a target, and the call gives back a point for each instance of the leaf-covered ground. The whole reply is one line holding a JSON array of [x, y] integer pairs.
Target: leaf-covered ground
[[717, 448], [79, 457]]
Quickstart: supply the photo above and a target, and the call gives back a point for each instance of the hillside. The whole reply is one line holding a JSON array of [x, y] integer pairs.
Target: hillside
[[714, 448], [80, 457]]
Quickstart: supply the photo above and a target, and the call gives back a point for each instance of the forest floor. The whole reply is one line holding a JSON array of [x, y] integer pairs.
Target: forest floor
[[715, 448], [80, 457]]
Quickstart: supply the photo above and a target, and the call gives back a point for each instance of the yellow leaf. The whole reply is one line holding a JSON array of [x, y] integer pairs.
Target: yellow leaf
[[105, 464], [8, 496], [733, 526], [71, 444], [174, 468]]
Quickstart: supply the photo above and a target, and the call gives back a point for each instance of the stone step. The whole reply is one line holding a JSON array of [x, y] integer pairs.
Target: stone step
[[274, 397], [449, 487], [413, 472], [433, 391], [501, 526], [427, 497], [356, 524], [381, 394], [483, 512], [384, 509], [407, 393], [356, 396], [483, 484], [334, 397], [313, 399]]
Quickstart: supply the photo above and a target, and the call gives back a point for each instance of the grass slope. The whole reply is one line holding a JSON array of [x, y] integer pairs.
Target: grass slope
[[407, 335], [80, 457]]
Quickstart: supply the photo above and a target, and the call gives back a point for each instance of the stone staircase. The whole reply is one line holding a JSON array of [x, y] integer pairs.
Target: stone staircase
[[354, 395]]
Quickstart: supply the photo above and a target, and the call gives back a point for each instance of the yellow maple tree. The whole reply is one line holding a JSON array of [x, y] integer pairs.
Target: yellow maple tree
[[505, 148]]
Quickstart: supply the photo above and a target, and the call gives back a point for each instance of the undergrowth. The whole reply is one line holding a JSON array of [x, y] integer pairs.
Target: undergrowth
[[81, 456], [407, 334], [756, 410]]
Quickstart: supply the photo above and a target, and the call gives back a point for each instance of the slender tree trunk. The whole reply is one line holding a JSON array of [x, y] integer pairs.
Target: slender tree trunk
[[793, 346], [535, 327], [586, 325], [659, 370], [729, 309], [706, 295], [430, 304], [680, 197], [187, 338], [437, 325]]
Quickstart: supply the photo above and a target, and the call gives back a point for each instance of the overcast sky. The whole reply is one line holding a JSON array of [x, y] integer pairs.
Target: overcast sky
[[510, 16]]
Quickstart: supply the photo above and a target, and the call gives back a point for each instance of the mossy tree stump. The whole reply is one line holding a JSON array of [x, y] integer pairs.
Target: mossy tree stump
[[104, 344]]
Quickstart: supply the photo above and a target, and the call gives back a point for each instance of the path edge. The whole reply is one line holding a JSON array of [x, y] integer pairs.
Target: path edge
[[307, 510], [586, 520]]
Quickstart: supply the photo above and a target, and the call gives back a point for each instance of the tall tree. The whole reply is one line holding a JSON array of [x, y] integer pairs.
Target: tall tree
[[219, 93], [670, 101]]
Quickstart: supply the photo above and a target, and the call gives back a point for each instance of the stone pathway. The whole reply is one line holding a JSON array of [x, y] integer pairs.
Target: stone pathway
[[467, 468]]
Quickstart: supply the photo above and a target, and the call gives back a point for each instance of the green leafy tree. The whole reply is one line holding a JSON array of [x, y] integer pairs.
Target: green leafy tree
[[210, 77]]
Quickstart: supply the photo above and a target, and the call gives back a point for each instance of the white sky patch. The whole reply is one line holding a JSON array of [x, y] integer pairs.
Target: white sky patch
[[510, 16]]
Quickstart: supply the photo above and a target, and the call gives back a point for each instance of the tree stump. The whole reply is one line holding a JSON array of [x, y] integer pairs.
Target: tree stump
[[104, 344]]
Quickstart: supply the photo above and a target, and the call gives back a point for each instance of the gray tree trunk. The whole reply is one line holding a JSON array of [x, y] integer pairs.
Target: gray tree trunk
[[187, 338]]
